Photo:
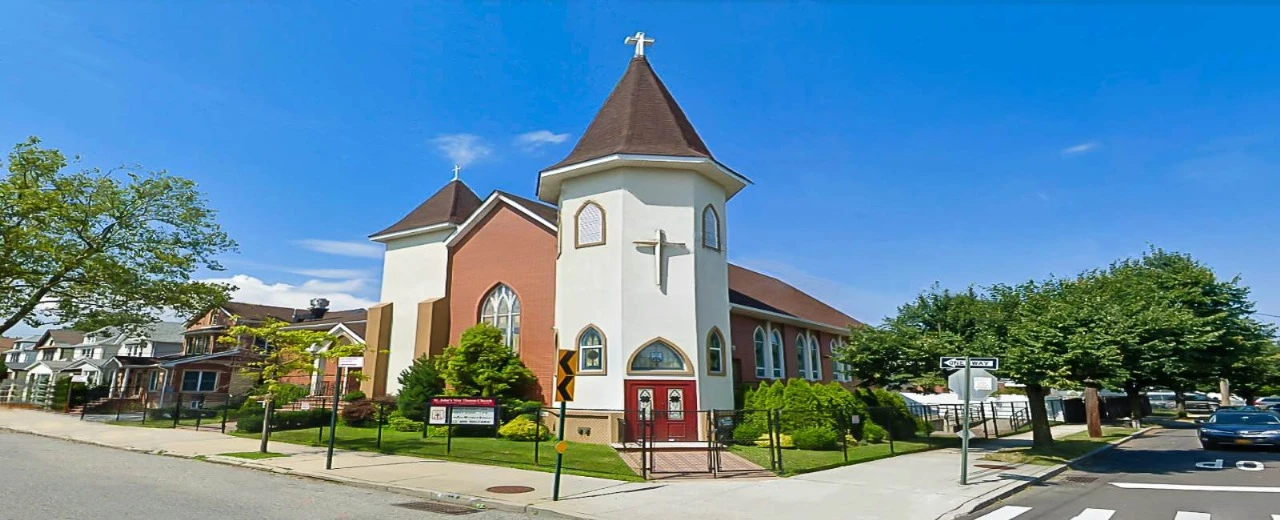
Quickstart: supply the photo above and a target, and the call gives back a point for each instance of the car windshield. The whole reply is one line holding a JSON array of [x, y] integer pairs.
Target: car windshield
[[1244, 418]]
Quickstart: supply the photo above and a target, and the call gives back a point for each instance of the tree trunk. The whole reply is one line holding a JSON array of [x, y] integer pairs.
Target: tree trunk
[[1135, 405], [266, 424], [1224, 389], [1041, 435], [1092, 411], [1180, 402]]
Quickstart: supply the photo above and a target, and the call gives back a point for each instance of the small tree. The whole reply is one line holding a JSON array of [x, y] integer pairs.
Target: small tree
[[418, 383], [4, 370], [279, 353], [482, 365]]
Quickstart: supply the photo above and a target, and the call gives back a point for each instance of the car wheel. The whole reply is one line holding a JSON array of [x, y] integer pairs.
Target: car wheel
[[1208, 446]]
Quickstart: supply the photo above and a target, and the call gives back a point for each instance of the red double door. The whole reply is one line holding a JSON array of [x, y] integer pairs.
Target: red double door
[[670, 406]]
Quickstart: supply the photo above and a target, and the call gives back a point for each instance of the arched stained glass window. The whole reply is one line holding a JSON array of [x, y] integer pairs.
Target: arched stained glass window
[[591, 350], [710, 227], [762, 370], [658, 356], [501, 308], [715, 353], [590, 225]]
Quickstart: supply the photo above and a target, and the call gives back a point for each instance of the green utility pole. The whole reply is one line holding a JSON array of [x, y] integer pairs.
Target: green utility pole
[[964, 438]]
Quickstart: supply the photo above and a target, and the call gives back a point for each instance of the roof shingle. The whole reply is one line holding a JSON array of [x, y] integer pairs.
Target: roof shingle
[[639, 117], [752, 289], [452, 204]]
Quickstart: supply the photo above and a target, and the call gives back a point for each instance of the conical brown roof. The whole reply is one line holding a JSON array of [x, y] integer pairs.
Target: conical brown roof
[[639, 117], [452, 204]]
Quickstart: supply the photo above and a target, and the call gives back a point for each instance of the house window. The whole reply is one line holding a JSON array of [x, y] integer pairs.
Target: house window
[[502, 310], [840, 370], [762, 366], [199, 381], [715, 353], [710, 228], [153, 380], [779, 368], [199, 345], [590, 230], [658, 356], [591, 350]]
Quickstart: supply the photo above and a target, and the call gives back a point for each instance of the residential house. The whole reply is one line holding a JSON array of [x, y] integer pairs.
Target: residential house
[[18, 358], [53, 352]]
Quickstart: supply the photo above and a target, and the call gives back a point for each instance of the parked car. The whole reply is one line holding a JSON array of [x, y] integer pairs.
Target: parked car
[[1239, 428], [1268, 401], [1201, 404]]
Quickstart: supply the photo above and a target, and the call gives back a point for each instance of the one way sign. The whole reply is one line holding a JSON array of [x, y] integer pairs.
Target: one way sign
[[956, 363], [565, 369]]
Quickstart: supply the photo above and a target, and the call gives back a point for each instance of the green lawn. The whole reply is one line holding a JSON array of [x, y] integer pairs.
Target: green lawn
[[1062, 450], [591, 460], [253, 455], [803, 461]]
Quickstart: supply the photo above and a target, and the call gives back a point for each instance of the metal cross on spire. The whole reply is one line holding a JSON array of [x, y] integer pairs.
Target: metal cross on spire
[[456, 169], [639, 41]]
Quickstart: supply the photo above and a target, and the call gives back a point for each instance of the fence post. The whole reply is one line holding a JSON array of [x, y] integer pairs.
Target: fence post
[[382, 412], [846, 430], [84, 408], [777, 423], [119, 404], [177, 409], [995, 418], [224, 414], [199, 417], [426, 416], [537, 437], [889, 432]]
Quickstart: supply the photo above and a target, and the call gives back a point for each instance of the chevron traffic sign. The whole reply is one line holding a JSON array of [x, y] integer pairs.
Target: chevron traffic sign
[[565, 370]]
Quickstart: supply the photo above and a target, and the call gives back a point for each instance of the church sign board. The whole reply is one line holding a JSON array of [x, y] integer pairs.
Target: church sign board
[[463, 411]]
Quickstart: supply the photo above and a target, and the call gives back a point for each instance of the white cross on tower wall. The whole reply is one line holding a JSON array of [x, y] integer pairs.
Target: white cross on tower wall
[[658, 243], [639, 41]]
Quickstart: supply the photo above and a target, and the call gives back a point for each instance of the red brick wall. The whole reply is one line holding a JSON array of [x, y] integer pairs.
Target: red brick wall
[[743, 332], [509, 248], [744, 328]]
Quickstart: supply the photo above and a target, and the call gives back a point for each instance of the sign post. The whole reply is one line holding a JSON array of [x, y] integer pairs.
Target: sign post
[[972, 384], [347, 363], [565, 370]]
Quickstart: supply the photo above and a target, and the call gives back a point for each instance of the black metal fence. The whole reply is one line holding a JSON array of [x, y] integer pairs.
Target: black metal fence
[[198, 411]]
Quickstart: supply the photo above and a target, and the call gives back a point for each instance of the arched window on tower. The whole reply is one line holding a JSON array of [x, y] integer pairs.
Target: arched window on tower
[[715, 353], [710, 228], [501, 308], [591, 350], [590, 225]]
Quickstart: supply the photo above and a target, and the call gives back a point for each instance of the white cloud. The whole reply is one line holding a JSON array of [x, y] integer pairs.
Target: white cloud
[[1081, 148], [462, 149], [530, 141], [341, 294], [341, 248], [329, 273]]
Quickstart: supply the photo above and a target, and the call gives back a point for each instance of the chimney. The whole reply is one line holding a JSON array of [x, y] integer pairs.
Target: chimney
[[319, 306]]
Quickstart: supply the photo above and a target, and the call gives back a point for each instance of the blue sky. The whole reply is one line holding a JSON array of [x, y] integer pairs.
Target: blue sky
[[891, 147]]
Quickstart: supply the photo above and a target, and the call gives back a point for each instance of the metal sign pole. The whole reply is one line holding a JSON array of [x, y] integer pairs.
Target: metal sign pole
[[333, 418], [964, 439], [555, 488]]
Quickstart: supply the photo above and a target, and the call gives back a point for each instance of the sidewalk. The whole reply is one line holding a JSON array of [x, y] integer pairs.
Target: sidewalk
[[920, 486]]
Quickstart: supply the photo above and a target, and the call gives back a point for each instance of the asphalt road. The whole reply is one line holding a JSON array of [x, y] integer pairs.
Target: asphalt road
[[48, 479], [1155, 477]]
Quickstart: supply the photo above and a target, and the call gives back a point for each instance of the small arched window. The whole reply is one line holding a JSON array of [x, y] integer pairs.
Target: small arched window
[[658, 356], [762, 369], [710, 228], [590, 225], [591, 350], [715, 353], [779, 367], [501, 309]]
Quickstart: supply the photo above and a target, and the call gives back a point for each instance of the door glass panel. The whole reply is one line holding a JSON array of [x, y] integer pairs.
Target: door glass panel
[[675, 404], [644, 397]]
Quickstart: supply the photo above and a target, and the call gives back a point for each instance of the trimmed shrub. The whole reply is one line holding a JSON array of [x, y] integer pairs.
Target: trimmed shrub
[[873, 433], [358, 413], [287, 393], [418, 384], [748, 432], [816, 439], [522, 428], [404, 424], [353, 396], [302, 419]]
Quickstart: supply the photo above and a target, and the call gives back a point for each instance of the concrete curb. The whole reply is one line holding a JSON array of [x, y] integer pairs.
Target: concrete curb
[[998, 495], [474, 502]]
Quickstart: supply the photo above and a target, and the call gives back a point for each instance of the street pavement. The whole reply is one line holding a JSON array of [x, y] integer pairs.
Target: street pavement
[[1162, 475], [54, 479]]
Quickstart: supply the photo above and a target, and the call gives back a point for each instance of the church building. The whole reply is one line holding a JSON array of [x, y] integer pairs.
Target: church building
[[623, 257]]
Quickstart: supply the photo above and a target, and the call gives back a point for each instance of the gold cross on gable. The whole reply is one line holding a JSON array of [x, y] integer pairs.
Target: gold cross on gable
[[659, 260]]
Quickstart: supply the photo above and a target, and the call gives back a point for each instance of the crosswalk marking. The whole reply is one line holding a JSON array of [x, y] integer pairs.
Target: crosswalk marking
[[1094, 514], [1005, 513], [1187, 515]]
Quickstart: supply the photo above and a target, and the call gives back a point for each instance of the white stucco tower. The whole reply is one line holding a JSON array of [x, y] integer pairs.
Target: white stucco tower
[[642, 273]]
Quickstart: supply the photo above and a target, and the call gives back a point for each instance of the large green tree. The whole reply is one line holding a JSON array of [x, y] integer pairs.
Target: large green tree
[[482, 365], [92, 248]]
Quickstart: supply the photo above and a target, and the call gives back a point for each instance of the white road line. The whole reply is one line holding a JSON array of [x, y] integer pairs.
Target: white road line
[[1005, 513], [1185, 515], [1187, 487], [1094, 514]]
